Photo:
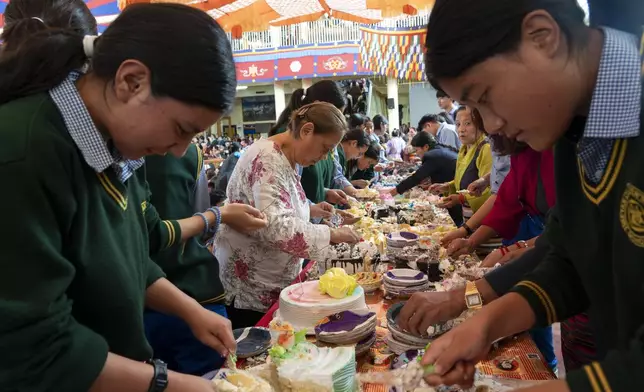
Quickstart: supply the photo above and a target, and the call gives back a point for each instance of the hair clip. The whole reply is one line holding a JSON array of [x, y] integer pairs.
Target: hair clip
[[88, 45]]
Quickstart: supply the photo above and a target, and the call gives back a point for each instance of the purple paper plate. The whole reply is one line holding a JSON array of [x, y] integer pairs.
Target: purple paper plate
[[343, 322], [418, 276]]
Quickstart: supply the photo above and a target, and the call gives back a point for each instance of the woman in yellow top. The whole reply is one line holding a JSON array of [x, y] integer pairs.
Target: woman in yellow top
[[474, 161]]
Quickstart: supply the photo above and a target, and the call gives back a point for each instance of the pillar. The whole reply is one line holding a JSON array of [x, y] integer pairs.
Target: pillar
[[280, 98], [306, 83], [392, 93]]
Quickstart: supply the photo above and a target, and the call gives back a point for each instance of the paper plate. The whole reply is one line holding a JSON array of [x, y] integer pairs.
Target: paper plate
[[348, 327], [257, 341], [404, 277]]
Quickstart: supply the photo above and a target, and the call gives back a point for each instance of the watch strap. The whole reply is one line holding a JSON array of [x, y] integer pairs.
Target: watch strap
[[159, 381], [468, 229]]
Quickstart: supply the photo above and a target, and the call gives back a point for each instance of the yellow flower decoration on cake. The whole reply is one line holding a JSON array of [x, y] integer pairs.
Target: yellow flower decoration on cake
[[336, 283]]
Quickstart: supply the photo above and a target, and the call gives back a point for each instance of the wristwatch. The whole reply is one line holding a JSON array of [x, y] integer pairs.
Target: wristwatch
[[473, 299], [160, 379], [468, 229]]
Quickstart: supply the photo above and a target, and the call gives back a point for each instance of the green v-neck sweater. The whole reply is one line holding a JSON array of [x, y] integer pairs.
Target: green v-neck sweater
[[596, 261], [75, 256]]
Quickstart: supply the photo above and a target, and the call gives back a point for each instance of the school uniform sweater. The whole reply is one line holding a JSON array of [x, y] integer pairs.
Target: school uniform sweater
[[438, 165], [189, 265], [596, 259], [316, 179], [75, 255]]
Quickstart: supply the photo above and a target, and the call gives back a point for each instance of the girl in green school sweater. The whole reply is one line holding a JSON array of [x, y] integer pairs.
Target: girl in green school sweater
[[76, 266], [538, 74]]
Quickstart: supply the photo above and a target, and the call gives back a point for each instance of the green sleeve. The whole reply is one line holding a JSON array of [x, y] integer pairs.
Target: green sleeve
[[554, 289], [619, 371], [43, 348], [163, 233]]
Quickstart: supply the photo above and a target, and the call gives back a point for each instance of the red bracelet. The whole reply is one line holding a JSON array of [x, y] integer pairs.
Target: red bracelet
[[461, 198], [521, 244], [504, 250]]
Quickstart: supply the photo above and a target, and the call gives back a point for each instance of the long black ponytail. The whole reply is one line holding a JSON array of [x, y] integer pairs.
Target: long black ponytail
[[322, 91], [187, 52]]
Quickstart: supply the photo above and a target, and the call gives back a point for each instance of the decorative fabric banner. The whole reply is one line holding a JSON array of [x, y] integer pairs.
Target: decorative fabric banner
[[398, 54]]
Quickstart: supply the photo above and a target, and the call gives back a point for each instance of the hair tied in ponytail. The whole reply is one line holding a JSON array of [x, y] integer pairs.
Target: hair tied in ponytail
[[88, 45]]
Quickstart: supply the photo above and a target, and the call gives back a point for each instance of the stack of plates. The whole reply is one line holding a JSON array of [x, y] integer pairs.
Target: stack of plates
[[348, 327], [405, 282], [400, 340], [401, 239]]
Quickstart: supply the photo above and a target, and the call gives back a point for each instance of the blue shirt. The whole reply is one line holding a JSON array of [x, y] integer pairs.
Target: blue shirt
[[83, 131], [615, 105], [447, 135], [500, 170]]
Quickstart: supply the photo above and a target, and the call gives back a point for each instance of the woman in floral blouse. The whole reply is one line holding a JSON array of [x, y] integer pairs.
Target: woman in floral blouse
[[256, 267]]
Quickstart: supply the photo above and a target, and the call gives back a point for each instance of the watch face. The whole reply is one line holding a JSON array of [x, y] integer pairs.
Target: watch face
[[473, 300]]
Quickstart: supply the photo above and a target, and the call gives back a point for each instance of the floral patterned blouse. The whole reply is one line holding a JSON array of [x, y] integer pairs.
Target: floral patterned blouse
[[255, 267]]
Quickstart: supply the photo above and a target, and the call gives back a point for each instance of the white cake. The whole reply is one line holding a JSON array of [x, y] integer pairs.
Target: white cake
[[317, 369], [303, 305]]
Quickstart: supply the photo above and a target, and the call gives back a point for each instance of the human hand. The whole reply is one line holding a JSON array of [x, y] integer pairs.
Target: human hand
[[347, 218], [393, 192], [360, 183], [321, 210], [438, 188], [459, 247], [425, 309], [449, 201], [453, 235], [498, 257], [213, 330], [242, 217], [350, 191], [187, 383], [379, 167], [336, 196], [455, 354], [477, 187], [493, 258], [344, 234]]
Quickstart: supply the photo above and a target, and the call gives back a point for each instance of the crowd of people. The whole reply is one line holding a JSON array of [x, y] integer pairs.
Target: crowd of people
[[105, 262]]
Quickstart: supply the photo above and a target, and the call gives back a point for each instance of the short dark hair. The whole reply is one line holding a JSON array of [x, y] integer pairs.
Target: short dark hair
[[322, 91], [373, 151], [357, 120], [422, 139], [446, 118], [187, 52], [428, 118], [357, 134], [395, 133], [463, 33], [379, 120], [441, 94], [234, 147], [25, 17]]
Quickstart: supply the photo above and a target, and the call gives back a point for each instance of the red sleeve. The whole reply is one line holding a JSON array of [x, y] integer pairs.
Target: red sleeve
[[507, 212]]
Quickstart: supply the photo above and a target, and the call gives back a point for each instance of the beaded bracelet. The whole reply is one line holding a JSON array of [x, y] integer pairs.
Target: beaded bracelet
[[521, 244], [217, 212], [205, 221]]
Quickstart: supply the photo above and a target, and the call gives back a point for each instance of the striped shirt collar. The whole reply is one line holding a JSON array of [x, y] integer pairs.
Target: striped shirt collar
[[615, 105], [83, 131]]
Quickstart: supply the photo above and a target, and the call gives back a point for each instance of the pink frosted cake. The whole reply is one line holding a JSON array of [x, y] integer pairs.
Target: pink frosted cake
[[303, 305]]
